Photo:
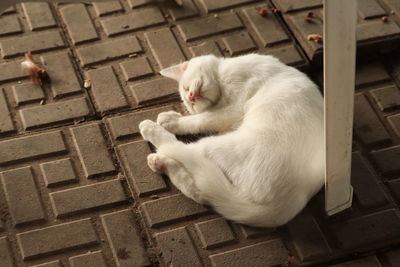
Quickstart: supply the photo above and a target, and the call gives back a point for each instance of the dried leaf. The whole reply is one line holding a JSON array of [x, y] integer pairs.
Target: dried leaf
[[37, 73], [315, 37]]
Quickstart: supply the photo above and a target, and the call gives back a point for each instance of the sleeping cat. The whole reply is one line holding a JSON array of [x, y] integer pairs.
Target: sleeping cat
[[267, 161]]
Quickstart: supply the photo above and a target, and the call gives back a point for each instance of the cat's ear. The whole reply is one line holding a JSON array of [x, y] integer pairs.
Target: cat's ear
[[175, 72]]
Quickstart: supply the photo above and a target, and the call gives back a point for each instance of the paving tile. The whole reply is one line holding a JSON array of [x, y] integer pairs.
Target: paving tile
[[239, 43], [90, 259], [153, 90], [301, 29], [62, 74], [58, 172], [368, 31], [393, 5], [395, 67], [214, 233], [106, 89], [250, 232], [375, 29], [49, 264], [31, 146], [267, 29], [164, 47], [289, 5], [124, 238], [287, 54], [27, 92], [307, 237], [128, 124], [78, 23], [9, 25], [209, 26], [368, 230], [137, 3], [92, 150], [35, 42], [133, 156], [395, 123], [39, 15], [370, 261], [11, 71], [393, 257], [205, 48], [177, 248], [187, 10], [22, 195], [268, 253], [387, 159], [366, 123], [75, 200], [108, 50], [6, 258], [54, 112], [394, 187], [370, 9], [6, 123], [211, 5], [163, 211], [55, 239], [370, 74], [136, 68], [367, 190], [387, 98], [106, 8], [133, 21], [9, 10]]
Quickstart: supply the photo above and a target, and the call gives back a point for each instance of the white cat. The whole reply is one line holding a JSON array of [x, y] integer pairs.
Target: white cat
[[267, 161]]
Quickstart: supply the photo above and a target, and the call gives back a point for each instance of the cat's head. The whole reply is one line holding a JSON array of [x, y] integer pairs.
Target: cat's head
[[198, 82]]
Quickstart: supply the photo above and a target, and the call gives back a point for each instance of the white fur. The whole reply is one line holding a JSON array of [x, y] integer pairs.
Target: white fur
[[267, 162]]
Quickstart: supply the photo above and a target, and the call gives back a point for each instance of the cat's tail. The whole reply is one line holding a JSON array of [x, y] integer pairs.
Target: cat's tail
[[220, 193]]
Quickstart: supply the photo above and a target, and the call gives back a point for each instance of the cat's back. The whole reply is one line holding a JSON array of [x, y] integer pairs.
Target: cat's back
[[252, 67], [251, 60]]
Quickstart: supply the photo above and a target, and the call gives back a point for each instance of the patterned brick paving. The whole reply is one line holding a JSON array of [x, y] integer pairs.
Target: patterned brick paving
[[75, 189]]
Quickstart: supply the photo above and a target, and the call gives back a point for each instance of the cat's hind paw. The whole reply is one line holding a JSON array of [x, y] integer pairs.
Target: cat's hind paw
[[169, 120], [155, 163]]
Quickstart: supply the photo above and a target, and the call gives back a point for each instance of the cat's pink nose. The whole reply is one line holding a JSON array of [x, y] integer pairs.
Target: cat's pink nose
[[192, 97]]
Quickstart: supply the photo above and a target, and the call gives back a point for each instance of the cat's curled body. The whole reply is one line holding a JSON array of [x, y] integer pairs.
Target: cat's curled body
[[267, 161]]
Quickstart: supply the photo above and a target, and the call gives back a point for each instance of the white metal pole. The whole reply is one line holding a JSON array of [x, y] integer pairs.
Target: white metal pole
[[340, 19]]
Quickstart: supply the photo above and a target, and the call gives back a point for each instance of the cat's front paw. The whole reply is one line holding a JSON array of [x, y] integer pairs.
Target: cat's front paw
[[147, 128], [169, 120], [155, 133]]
